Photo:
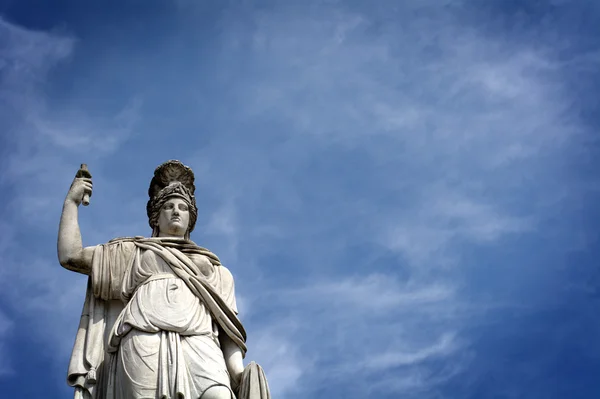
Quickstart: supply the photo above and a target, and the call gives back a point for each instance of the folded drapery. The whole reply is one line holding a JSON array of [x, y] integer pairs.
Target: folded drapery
[[254, 383]]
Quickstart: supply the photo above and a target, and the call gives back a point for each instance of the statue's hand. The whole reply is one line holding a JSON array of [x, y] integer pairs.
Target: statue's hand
[[79, 187]]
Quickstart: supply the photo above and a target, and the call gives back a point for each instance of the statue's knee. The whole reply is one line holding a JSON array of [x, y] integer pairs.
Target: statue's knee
[[217, 392]]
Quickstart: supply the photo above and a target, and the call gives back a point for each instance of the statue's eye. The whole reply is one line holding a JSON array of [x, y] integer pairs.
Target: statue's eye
[[169, 205], [183, 207]]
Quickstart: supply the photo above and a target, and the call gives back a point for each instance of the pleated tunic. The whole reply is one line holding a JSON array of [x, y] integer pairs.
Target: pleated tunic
[[165, 339]]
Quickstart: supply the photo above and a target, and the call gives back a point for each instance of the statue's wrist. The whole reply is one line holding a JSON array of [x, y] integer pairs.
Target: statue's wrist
[[71, 202]]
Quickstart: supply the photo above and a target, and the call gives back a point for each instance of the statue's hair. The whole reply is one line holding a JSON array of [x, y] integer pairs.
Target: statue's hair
[[171, 179]]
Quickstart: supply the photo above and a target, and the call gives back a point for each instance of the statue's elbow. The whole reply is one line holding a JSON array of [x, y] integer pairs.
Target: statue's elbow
[[63, 258], [68, 261], [76, 264], [65, 261]]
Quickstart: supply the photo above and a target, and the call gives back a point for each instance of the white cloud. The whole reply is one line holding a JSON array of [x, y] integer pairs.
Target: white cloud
[[445, 217], [443, 347], [76, 131], [370, 293], [26, 57]]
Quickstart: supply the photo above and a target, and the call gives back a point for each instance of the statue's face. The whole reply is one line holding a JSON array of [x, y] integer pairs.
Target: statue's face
[[174, 218]]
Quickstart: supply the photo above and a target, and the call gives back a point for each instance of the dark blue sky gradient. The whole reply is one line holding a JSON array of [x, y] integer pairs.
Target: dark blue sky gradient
[[250, 117]]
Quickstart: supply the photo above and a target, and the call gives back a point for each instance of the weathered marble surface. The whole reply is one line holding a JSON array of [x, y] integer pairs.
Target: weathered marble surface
[[160, 316]]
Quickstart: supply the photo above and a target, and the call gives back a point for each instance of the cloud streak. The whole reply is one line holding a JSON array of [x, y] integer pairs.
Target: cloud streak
[[375, 178], [450, 128], [43, 138]]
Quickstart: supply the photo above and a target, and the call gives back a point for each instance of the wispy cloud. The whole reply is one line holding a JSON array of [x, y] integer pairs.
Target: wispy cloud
[[455, 137], [44, 136], [356, 328], [362, 166], [26, 57], [370, 293], [448, 127], [444, 346], [280, 357], [223, 224], [44, 139], [444, 217], [6, 325], [74, 131]]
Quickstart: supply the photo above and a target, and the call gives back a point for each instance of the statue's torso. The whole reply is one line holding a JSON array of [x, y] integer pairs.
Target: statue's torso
[[162, 301]]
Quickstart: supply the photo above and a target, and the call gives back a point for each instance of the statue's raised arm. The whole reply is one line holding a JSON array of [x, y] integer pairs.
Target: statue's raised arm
[[71, 253]]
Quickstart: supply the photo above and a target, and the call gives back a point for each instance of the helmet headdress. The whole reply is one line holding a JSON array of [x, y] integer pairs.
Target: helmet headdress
[[171, 179]]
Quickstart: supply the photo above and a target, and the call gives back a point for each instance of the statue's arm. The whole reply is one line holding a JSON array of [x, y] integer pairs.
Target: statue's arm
[[233, 359], [231, 351], [71, 254]]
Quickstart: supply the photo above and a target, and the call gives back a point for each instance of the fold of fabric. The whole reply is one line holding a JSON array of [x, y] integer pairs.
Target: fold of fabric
[[254, 383]]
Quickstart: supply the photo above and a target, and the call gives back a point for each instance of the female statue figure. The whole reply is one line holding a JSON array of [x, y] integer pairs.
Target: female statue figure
[[160, 317]]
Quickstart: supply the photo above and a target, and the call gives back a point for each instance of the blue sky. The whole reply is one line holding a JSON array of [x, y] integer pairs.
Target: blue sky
[[406, 192]]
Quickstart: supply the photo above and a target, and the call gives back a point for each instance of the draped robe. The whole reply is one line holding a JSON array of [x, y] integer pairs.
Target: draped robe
[[149, 328]]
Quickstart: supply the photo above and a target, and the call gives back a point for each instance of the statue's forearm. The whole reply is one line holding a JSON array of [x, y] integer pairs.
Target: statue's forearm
[[233, 357], [70, 248]]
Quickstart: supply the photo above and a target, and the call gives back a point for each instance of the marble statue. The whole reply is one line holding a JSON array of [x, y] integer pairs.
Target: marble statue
[[160, 317]]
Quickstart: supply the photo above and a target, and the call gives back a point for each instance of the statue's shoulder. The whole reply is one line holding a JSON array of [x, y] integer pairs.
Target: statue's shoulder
[[225, 274], [193, 248]]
